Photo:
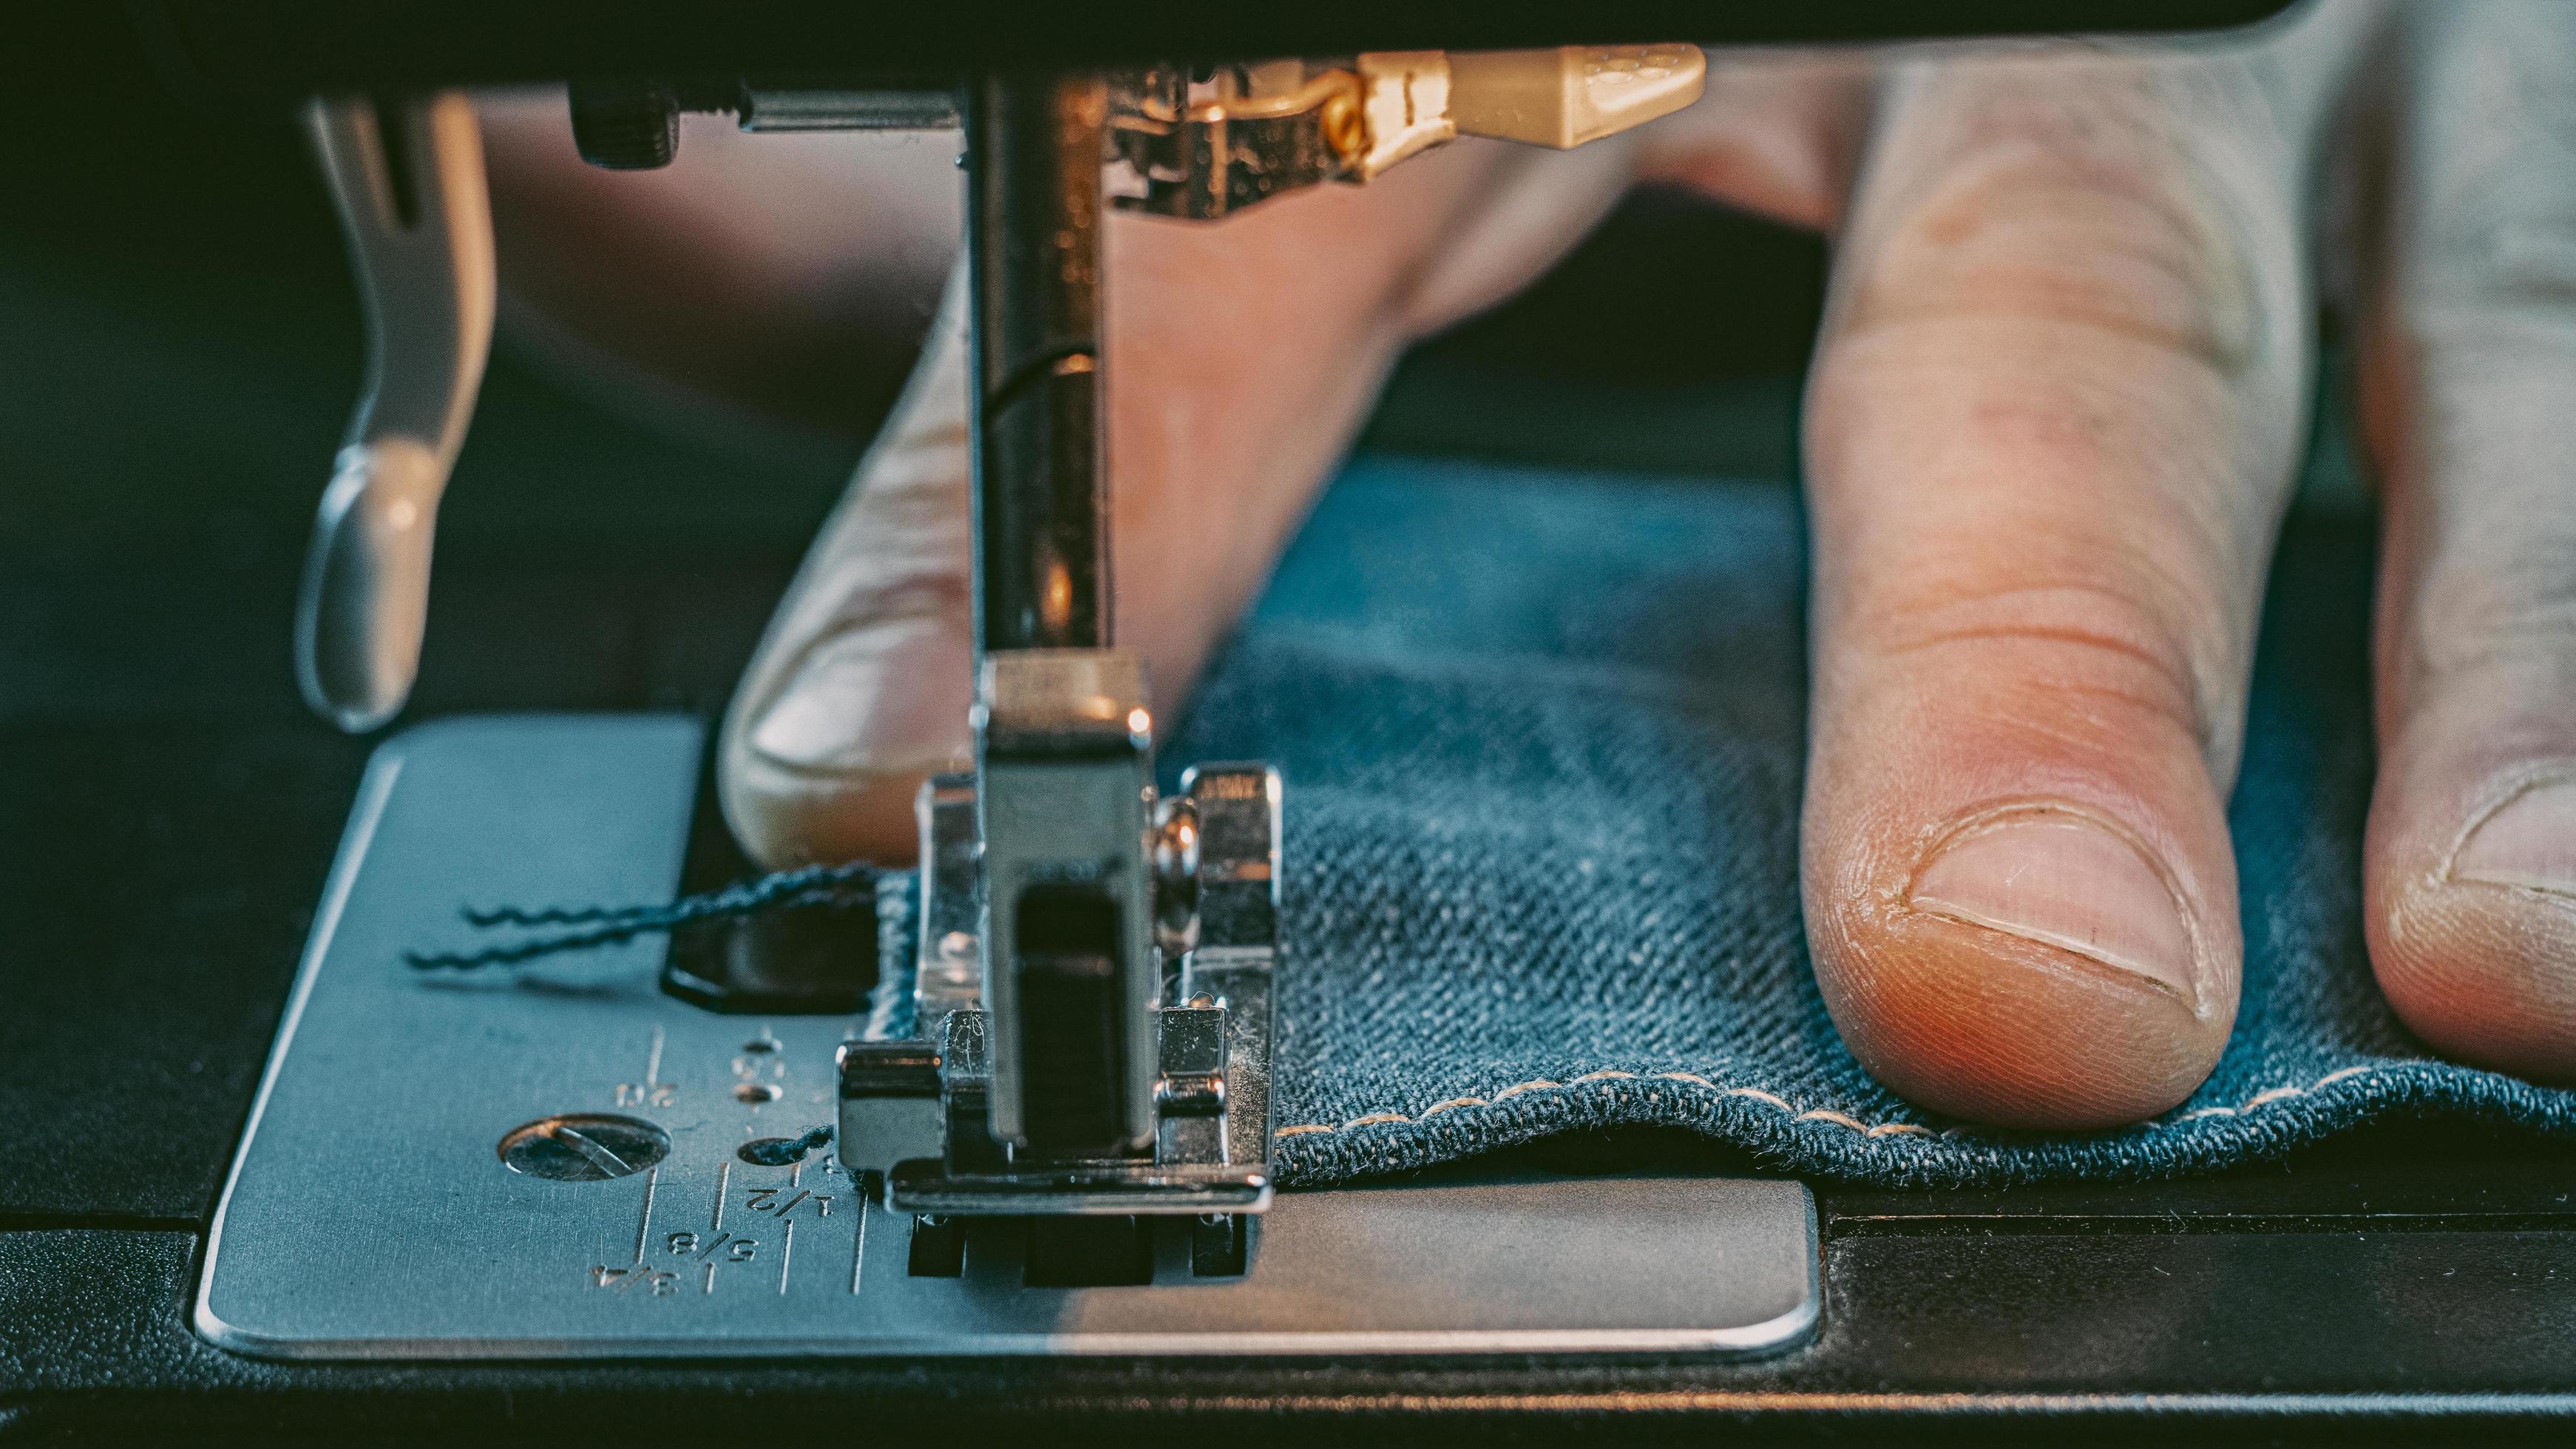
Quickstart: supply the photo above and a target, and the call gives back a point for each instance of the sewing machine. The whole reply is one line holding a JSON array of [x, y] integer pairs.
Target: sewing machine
[[1068, 1147], [1057, 1145]]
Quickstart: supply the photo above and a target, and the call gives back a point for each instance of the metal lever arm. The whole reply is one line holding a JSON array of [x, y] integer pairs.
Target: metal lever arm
[[1571, 94], [408, 178]]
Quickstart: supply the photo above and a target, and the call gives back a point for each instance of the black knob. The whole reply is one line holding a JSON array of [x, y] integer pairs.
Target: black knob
[[626, 125]]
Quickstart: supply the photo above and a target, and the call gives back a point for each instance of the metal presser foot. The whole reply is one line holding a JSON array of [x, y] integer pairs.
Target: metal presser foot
[[1031, 1090]]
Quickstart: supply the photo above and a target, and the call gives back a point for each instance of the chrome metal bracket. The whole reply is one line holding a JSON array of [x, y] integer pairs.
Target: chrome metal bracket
[[408, 180]]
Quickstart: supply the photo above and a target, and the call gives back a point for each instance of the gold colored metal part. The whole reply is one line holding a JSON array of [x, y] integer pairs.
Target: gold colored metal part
[[1345, 128], [1209, 146], [1572, 94], [1407, 104]]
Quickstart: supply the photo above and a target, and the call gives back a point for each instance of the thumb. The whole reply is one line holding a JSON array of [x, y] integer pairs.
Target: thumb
[[859, 690], [1243, 355]]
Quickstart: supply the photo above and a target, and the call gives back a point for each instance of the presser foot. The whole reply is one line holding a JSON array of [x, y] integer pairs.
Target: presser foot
[[917, 1111]]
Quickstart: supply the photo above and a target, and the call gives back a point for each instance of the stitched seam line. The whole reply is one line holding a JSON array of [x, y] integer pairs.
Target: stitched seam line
[[1878, 1132], [824, 885]]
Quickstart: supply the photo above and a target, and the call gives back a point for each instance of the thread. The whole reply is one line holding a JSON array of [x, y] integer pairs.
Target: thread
[[844, 886], [1878, 1132], [783, 1151]]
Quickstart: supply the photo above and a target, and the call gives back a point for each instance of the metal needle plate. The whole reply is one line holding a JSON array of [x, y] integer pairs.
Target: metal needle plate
[[456, 1166]]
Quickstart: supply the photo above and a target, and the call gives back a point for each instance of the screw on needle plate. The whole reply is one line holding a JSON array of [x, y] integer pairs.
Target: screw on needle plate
[[584, 1147]]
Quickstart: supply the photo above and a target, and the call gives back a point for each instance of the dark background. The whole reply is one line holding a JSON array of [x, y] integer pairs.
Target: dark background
[[179, 347]]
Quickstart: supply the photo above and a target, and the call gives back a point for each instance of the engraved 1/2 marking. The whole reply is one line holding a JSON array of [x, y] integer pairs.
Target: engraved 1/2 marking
[[767, 1200]]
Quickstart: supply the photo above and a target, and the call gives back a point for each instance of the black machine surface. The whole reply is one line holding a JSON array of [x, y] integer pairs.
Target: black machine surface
[[174, 815]]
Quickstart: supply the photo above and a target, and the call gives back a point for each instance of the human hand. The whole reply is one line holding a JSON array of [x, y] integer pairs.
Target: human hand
[[2051, 428]]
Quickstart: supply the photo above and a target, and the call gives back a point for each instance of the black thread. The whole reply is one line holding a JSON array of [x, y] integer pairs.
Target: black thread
[[552, 915], [784, 1151], [846, 885]]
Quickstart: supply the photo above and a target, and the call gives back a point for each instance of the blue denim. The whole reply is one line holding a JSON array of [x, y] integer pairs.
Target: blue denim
[[1543, 736]]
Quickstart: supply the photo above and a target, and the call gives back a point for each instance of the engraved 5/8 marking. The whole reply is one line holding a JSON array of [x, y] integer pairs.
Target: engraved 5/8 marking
[[686, 1245]]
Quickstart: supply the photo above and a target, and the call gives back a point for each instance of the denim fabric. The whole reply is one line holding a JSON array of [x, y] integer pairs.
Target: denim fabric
[[1542, 736]]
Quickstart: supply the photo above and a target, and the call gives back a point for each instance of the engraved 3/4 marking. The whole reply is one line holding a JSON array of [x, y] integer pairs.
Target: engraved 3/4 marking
[[691, 1247], [657, 1283]]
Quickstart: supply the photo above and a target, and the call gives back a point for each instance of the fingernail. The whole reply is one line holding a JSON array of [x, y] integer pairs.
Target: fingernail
[[2528, 841], [883, 696], [2063, 879]]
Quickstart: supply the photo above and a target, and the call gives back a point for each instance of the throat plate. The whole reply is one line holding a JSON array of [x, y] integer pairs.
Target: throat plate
[[543, 1163]]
